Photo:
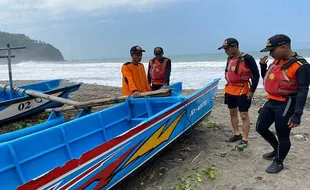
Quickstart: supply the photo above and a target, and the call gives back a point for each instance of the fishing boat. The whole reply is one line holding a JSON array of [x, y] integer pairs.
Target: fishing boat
[[28, 100], [15, 106], [100, 149]]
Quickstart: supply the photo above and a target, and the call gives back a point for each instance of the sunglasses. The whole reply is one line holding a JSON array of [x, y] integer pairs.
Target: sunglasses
[[158, 54]]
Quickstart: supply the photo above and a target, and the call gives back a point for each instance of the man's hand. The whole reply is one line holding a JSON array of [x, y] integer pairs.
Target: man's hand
[[136, 94], [292, 125], [250, 95], [264, 60], [165, 86]]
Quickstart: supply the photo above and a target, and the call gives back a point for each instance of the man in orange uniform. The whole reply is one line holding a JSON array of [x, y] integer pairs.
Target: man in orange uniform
[[240, 69], [134, 79], [287, 83], [159, 70]]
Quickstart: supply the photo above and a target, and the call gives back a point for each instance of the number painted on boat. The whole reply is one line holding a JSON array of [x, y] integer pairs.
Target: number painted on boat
[[24, 106]]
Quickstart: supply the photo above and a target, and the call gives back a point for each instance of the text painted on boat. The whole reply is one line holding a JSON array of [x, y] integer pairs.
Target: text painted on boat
[[24, 106], [199, 107]]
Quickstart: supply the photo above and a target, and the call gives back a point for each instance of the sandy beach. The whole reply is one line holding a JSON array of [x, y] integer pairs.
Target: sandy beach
[[180, 165]]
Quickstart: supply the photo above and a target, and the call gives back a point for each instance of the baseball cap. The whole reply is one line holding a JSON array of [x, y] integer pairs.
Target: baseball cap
[[276, 41], [136, 49], [158, 50], [229, 42]]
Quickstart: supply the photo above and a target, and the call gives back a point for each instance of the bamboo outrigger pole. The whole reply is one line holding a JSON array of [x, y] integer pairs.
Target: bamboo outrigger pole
[[41, 95], [106, 101]]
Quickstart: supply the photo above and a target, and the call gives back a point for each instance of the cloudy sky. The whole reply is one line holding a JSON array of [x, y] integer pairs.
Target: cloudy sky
[[94, 29]]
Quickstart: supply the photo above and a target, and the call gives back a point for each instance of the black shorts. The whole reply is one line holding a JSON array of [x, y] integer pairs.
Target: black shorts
[[241, 102]]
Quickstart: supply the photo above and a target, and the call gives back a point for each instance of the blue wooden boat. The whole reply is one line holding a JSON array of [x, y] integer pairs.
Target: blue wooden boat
[[17, 106], [98, 150]]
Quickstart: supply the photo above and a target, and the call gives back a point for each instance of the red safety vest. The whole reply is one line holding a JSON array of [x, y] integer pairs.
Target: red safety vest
[[237, 73], [158, 70], [276, 80]]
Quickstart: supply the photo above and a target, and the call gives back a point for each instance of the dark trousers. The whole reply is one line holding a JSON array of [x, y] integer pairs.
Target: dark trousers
[[156, 87], [279, 113]]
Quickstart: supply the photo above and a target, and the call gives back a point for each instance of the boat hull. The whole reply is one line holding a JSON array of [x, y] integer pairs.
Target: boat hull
[[27, 106], [107, 164]]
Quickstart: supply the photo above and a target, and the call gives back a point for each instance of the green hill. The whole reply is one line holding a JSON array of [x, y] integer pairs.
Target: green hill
[[35, 50]]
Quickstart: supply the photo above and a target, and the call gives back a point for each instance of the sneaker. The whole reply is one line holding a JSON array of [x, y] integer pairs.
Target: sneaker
[[270, 155], [274, 168], [242, 144], [234, 138]]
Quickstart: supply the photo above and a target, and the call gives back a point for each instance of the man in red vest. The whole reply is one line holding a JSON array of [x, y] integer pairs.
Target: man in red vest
[[287, 83], [159, 70], [241, 68]]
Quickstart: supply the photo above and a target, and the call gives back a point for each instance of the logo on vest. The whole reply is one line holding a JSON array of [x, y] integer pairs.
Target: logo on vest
[[271, 76], [233, 68]]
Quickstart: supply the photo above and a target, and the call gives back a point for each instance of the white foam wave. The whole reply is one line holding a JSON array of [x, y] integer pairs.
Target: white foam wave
[[193, 74]]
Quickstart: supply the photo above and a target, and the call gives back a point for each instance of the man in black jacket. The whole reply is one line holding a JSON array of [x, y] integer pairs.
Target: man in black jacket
[[287, 83]]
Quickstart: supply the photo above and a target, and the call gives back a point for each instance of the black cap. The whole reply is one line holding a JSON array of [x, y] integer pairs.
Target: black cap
[[136, 49], [229, 42], [158, 50], [276, 41]]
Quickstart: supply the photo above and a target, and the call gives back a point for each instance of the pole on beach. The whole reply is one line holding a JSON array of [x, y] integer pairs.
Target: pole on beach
[[10, 68], [9, 56]]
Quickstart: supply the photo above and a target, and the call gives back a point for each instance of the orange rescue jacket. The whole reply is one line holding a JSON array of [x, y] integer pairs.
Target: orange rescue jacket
[[280, 79], [134, 79]]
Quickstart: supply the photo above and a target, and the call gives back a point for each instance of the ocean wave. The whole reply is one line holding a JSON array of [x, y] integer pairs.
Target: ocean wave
[[193, 74]]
